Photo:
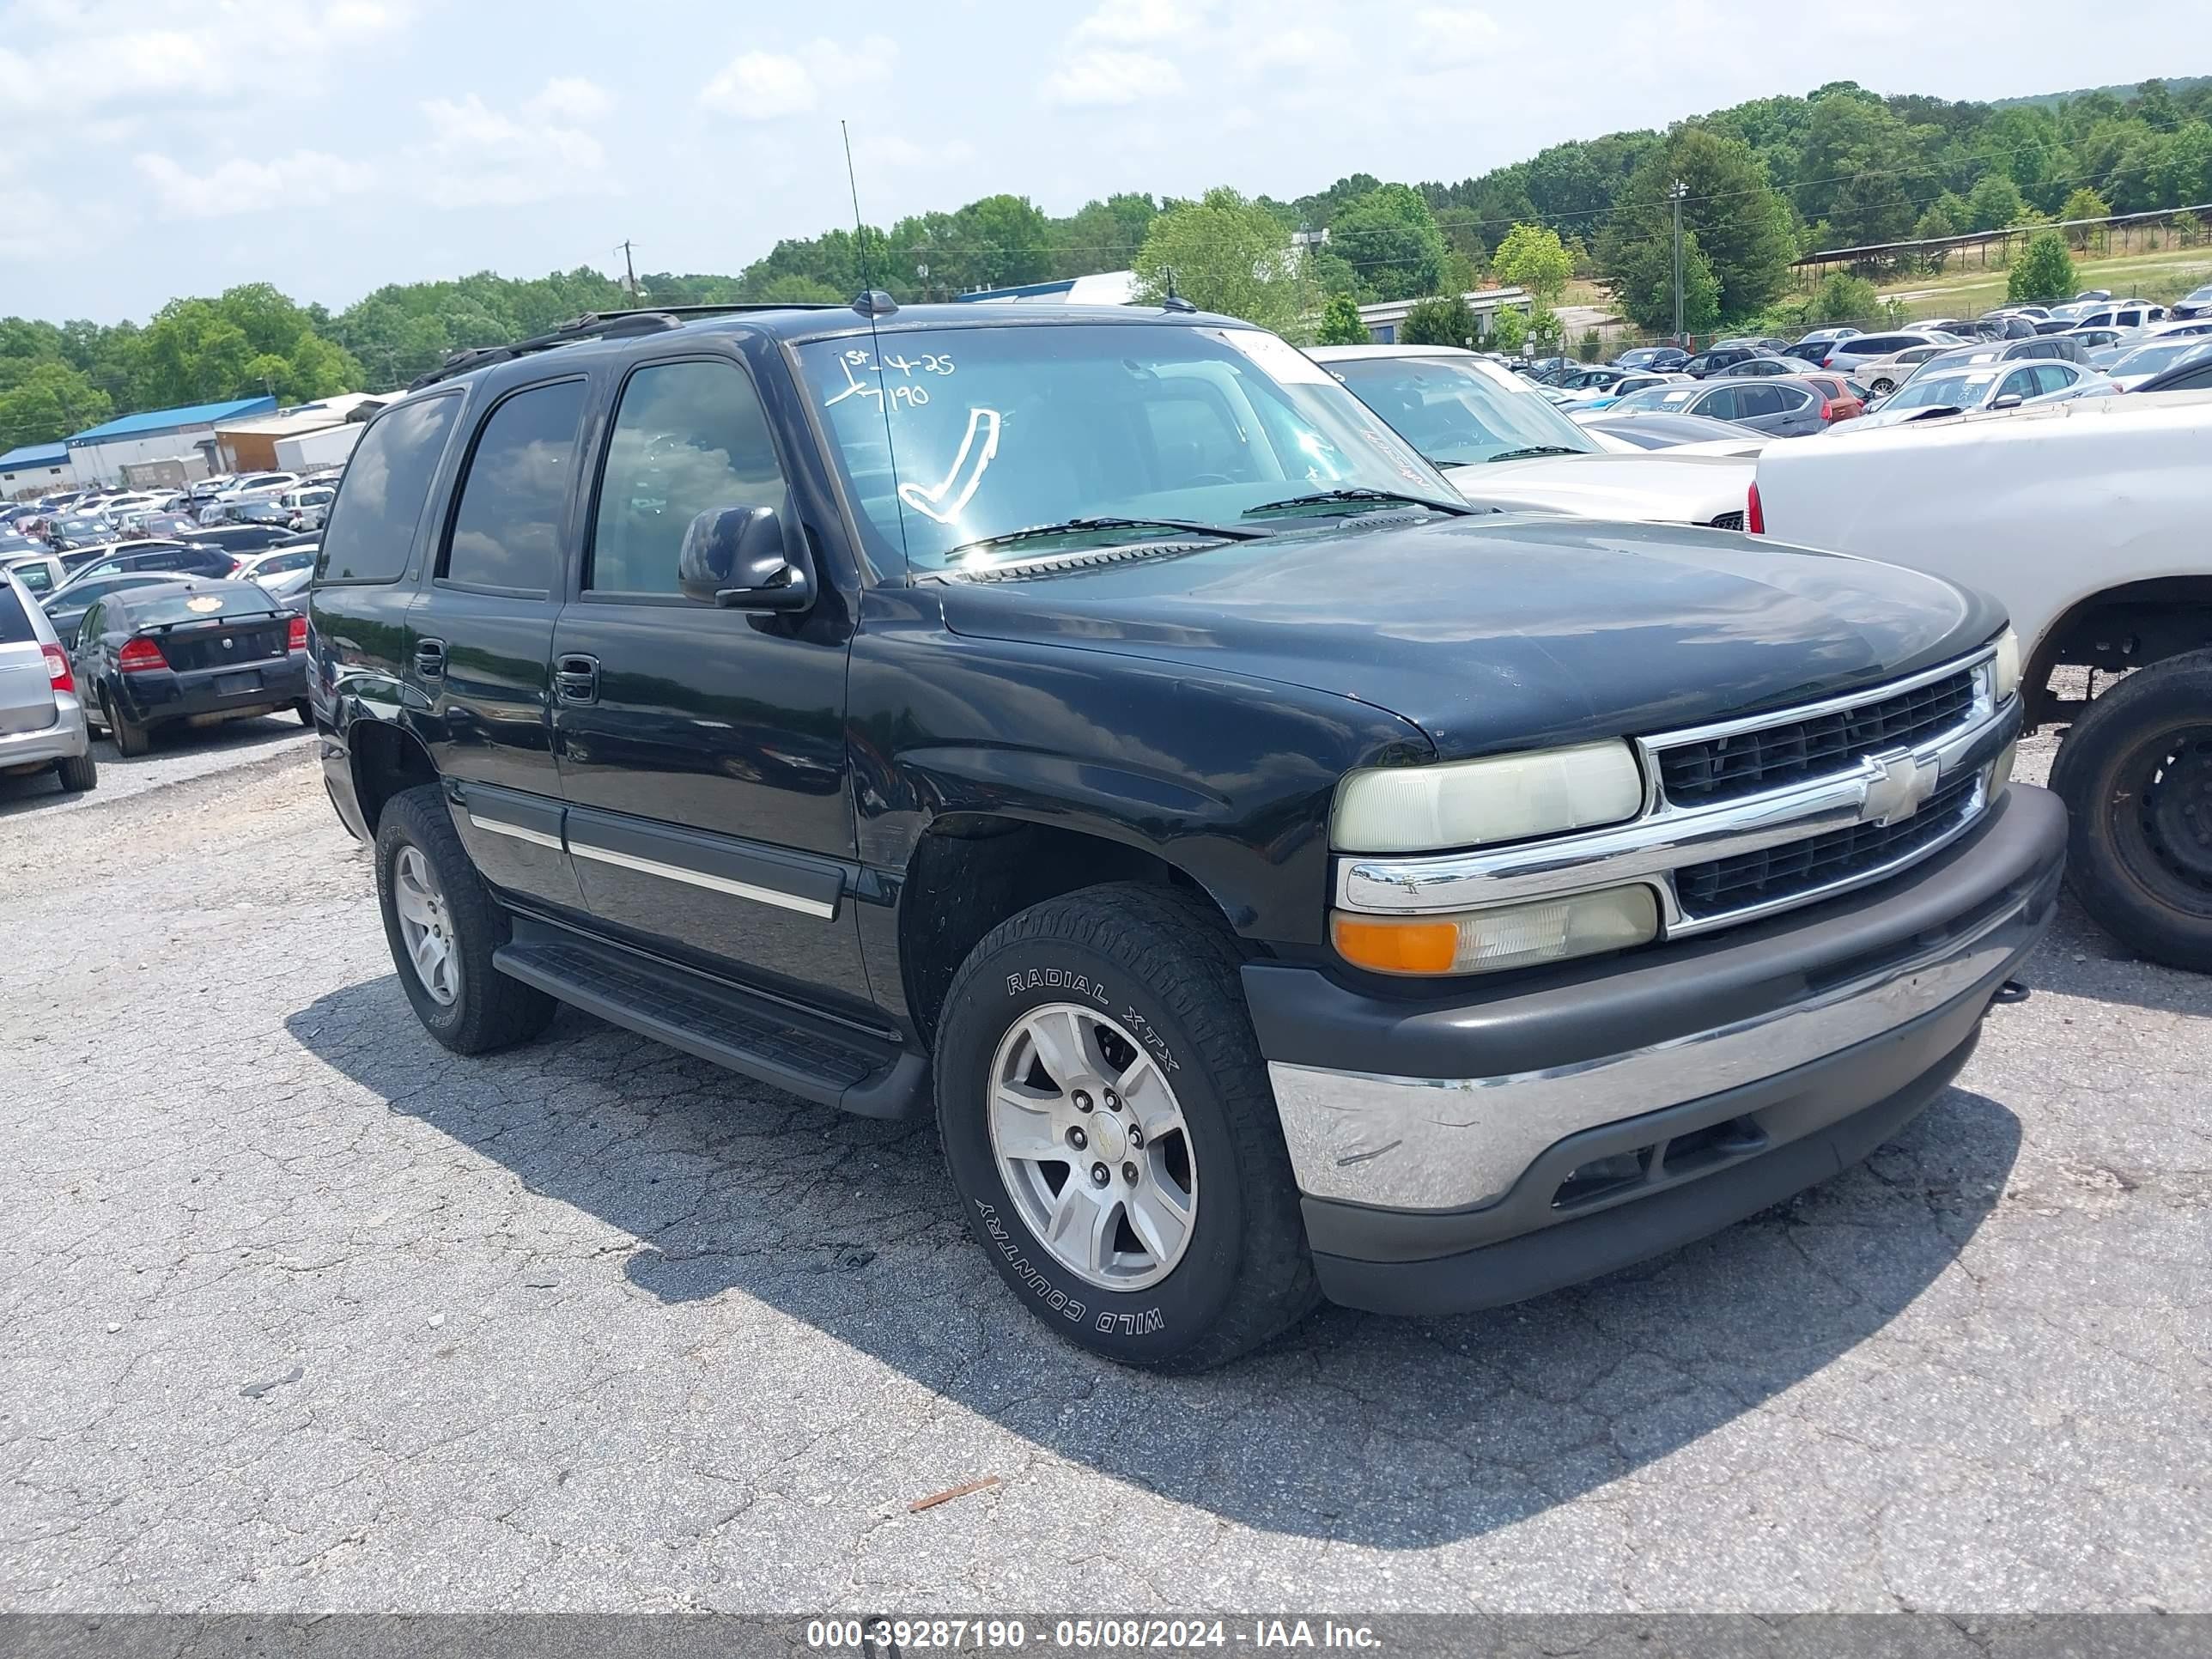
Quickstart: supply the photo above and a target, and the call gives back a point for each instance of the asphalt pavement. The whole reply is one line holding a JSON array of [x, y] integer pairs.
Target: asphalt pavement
[[303, 1312]]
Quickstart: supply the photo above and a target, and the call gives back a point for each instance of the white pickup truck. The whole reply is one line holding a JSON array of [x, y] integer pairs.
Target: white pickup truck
[[2092, 522]]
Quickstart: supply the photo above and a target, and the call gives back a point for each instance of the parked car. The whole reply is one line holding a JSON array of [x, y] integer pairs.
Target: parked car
[[2189, 374], [1661, 359], [306, 507], [42, 720], [40, 571], [1576, 404], [177, 558], [1986, 385], [1503, 444], [263, 567], [1138, 791], [1882, 361], [2151, 359], [1813, 348], [2062, 348], [1764, 343], [1776, 407], [1653, 429], [2089, 294], [2085, 519], [1762, 367], [2197, 302], [66, 607], [240, 539], [1719, 357], [202, 653], [2129, 313]]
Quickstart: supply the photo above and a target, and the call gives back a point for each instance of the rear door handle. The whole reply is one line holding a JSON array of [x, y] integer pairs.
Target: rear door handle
[[430, 659], [576, 678]]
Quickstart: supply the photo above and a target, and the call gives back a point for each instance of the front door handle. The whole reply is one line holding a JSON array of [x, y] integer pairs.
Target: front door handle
[[576, 678], [430, 659]]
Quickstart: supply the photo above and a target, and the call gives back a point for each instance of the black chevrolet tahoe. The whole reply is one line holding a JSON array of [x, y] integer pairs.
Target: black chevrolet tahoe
[[1283, 879]]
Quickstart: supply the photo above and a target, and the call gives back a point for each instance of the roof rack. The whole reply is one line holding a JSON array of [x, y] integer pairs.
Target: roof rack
[[601, 326]]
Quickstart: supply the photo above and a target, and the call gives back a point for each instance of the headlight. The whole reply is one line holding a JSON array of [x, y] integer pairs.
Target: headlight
[[1425, 809], [2006, 669], [1510, 936]]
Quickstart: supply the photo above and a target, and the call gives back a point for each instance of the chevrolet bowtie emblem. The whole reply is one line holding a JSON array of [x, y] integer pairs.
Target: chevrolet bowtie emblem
[[1898, 786]]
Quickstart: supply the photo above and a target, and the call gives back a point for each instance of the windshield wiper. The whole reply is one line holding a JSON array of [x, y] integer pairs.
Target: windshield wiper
[[1076, 526], [1359, 496], [1535, 450]]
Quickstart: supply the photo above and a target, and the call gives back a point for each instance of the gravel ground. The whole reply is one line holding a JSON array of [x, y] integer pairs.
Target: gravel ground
[[305, 1313]]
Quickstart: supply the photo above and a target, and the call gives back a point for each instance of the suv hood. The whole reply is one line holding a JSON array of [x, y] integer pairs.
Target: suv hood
[[1504, 632], [1654, 485]]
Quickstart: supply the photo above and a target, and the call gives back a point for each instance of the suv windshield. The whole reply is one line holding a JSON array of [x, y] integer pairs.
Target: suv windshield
[[1458, 416], [1951, 391], [955, 436], [2164, 353]]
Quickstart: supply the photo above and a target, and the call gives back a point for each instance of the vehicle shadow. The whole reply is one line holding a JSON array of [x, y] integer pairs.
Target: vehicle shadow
[[1399, 1433], [2078, 958], [232, 738]]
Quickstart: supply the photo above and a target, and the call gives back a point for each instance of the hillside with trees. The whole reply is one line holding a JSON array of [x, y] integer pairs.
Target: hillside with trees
[[1768, 180]]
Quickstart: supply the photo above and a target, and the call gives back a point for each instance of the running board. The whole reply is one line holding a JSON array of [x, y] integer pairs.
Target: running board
[[816, 1059]]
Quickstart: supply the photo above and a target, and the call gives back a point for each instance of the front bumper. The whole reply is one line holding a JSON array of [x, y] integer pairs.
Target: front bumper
[[1689, 1085]]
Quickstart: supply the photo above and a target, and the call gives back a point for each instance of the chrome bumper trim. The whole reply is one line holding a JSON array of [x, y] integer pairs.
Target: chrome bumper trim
[[1455, 1143], [1667, 837]]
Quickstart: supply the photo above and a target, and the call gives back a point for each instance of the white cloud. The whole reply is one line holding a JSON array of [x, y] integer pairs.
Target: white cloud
[[244, 185], [1138, 22], [761, 85], [896, 151], [478, 157], [1101, 79], [1454, 35], [570, 98], [768, 86]]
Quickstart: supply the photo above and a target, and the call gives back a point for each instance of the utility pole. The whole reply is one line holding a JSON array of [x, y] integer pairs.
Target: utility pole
[[1678, 193], [631, 268]]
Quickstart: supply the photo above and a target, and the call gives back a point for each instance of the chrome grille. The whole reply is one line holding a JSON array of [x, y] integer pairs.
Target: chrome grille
[[1712, 769], [1780, 873]]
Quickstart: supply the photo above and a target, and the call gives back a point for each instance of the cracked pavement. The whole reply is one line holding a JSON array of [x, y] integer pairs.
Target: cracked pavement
[[305, 1313]]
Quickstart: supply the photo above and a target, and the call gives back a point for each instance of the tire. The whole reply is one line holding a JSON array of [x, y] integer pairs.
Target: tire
[[486, 1009], [1881, 388], [131, 739], [2135, 774], [78, 774], [305, 711], [1161, 970]]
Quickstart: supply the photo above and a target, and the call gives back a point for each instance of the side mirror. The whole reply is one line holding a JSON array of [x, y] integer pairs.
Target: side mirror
[[736, 557], [2010, 400]]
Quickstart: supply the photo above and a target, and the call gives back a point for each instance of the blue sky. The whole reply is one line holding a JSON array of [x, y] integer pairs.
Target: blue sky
[[154, 148]]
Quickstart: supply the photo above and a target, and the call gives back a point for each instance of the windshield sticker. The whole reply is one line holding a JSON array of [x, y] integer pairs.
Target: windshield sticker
[[1277, 358], [862, 372], [979, 445]]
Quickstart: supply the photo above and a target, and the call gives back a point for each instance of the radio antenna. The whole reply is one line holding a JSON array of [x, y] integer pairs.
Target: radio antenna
[[872, 302]]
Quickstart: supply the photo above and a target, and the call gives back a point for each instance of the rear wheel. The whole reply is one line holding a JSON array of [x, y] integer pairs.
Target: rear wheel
[[1881, 388], [2135, 774], [78, 773], [1107, 1119], [305, 711], [443, 926], [131, 739]]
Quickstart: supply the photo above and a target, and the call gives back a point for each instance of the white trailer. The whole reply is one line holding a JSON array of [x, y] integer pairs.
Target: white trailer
[[330, 445]]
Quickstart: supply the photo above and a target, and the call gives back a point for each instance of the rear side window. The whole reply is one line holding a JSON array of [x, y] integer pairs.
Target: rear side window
[[371, 533], [690, 437], [35, 578], [14, 621], [507, 530]]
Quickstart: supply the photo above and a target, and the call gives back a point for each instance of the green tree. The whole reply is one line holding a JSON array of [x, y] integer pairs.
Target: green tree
[[1390, 239], [1590, 348], [1742, 226], [2046, 274], [1461, 230], [1872, 208], [1546, 331], [1934, 225], [1224, 252], [1442, 321], [1994, 204], [1340, 324], [1843, 298], [2084, 203], [1532, 257], [1643, 279], [1508, 329], [793, 289], [2189, 228], [48, 401]]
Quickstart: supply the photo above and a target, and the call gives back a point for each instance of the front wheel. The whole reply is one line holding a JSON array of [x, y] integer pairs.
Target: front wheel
[[131, 739], [1881, 388], [2135, 774], [1106, 1114], [443, 926]]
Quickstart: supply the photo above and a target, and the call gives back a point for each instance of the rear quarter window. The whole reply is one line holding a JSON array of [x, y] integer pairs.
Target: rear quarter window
[[370, 536], [14, 621]]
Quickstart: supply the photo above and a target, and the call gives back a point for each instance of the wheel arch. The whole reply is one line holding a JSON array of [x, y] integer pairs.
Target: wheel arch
[[2128, 625], [384, 758]]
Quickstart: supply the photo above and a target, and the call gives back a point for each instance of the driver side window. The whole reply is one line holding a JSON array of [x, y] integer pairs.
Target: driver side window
[[689, 438]]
